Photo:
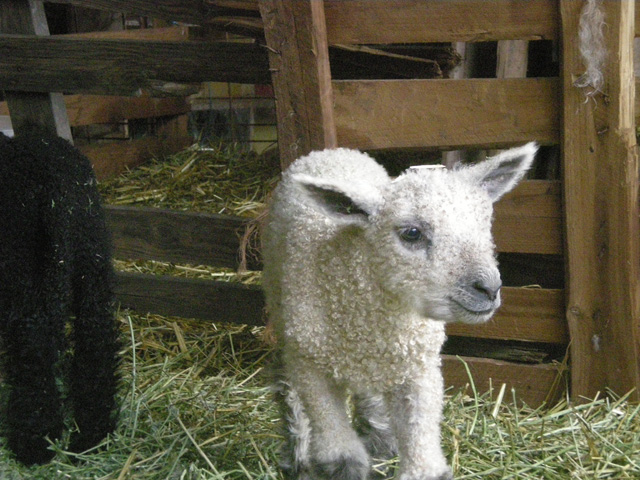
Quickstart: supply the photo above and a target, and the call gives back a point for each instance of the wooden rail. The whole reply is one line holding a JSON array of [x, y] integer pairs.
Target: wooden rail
[[478, 113], [122, 67]]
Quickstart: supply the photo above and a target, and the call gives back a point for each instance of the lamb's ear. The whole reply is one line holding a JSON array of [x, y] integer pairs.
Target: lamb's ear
[[346, 202], [501, 173]]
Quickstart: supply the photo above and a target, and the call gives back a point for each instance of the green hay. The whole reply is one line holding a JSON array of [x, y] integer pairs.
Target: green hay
[[196, 405]]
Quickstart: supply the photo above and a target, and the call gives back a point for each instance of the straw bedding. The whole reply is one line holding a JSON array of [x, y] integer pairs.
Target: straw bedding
[[195, 400]]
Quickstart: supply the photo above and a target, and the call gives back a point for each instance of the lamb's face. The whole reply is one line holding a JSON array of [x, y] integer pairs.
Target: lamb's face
[[428, 233], [436, 253]]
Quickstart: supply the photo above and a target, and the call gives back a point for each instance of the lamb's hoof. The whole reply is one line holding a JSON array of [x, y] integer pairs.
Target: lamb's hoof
[[344, 468]]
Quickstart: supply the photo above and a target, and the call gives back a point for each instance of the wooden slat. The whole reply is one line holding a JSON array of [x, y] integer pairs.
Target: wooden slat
[[93, 109], [121, 67], [46, 108], [529, 219], [299, 61], [600, 178], [191, 298], [190, 11], [534, 384], [174, 236], [527, 314], [417, 21], [489, 113]]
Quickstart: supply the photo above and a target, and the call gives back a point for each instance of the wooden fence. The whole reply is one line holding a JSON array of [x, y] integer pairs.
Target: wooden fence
[[588, 218]]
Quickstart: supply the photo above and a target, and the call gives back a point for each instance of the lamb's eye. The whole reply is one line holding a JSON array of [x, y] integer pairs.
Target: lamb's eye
[[411, 235]]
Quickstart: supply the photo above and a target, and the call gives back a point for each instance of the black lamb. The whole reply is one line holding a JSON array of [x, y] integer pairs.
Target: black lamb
[[55, 271]]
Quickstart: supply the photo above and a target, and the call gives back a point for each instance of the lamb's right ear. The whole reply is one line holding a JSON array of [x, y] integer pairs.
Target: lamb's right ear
[[346, 202]]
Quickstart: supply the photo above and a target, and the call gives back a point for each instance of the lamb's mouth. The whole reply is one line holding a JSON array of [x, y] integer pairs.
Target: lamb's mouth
[[474, 311]]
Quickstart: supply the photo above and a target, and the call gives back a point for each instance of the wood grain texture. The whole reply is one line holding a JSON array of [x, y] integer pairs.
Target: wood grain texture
[[175, 236], [189, 11], [211, 301], [527, 314], [601, 207], [533, 384], [417, 21], [299, 61], [122, 67], [529, 219], [45, 108], [92, 109], [489, 113]]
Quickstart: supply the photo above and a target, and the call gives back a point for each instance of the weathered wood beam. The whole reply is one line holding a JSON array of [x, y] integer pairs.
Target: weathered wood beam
[[175, 236], [299, 59], [191, 11], [46, 109], [601, 207], [450, 114], [121, 67], [419, 21], [191, 298]]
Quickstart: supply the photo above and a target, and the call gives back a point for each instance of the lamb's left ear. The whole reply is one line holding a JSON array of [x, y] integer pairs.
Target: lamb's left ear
[[501, 173]]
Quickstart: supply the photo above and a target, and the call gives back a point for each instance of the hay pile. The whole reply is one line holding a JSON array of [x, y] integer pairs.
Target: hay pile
[[195, 406], [221, 179], [195, 402]]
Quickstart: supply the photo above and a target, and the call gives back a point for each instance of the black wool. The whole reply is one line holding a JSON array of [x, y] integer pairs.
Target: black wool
[[55, 269]]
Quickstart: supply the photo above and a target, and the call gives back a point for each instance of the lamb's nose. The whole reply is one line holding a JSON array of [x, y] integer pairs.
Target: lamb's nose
[[489, 289]]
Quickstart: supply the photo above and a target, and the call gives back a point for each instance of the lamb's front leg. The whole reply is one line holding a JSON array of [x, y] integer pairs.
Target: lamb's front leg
[[416, 411], [335, 451]]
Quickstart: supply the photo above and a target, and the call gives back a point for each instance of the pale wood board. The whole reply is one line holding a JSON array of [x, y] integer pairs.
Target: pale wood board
[[533, 384], [529, 219], [416, 21], [489, 113], [601, 207], [526, 314]]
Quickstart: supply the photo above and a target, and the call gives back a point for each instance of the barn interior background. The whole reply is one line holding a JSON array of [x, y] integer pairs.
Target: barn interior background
[[185, 92]]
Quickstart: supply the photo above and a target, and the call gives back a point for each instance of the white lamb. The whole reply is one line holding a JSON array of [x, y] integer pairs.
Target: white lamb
[[361, 273]]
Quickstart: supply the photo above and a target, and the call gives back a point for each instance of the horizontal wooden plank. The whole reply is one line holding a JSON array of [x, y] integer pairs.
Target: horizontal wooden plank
[[175, 236], [122, 67], [417, 21], [527, 314], [93, 109], [175, 34], [533, 384], [529, 219], [191, 298], [190, 11], [484, 113]]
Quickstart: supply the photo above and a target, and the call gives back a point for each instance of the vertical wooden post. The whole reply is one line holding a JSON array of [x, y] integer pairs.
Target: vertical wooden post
[[296, 36], [600, 170], [512, 59], [46, 109]]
